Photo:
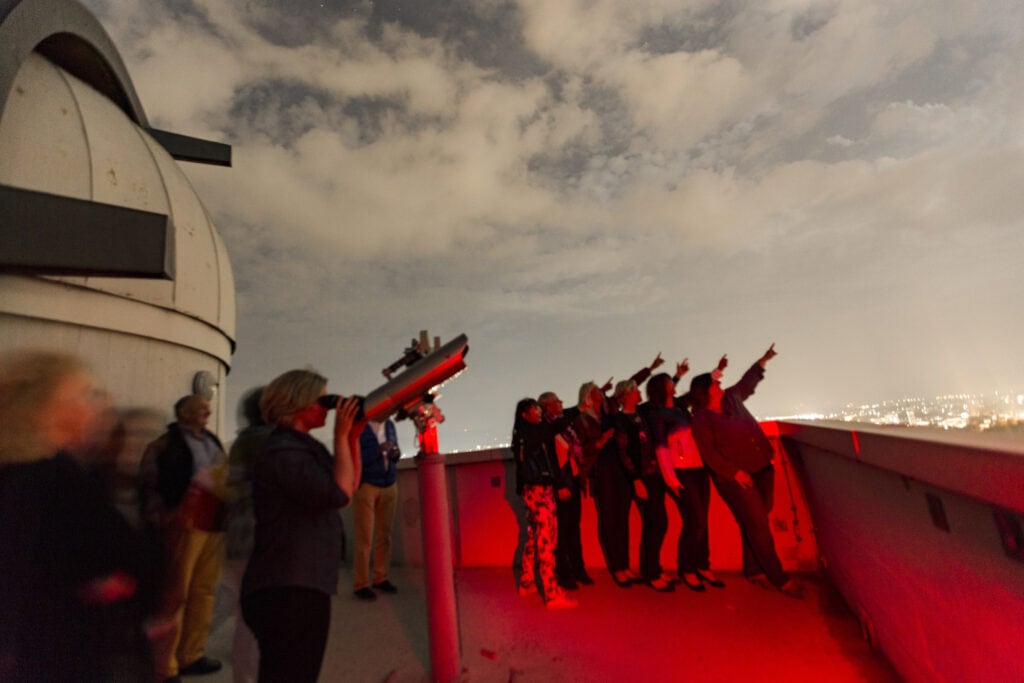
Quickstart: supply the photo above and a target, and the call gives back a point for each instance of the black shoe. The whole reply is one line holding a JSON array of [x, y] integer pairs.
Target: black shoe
[[569, 585], [386, 587], [714, 583], [622, 582], [695, 586], [661, 585], [760, 580], [584, 578], [365, 593], [203, 665]]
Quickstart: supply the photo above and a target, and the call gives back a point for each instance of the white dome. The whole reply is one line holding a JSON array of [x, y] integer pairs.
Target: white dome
[[62, 137]]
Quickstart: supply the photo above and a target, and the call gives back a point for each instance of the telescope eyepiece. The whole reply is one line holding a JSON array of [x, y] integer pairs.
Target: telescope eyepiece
[[329, 401]]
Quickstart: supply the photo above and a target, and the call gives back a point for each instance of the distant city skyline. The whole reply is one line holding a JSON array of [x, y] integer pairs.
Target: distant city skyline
[[580, 185]]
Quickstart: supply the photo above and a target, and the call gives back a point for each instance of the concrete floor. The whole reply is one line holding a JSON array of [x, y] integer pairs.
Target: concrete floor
[[740, 633]]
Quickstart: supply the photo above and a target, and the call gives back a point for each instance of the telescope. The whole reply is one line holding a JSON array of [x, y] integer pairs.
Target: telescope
[[425, 371]]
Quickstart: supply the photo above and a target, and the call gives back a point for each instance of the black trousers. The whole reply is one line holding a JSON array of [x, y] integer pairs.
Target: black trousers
[[290, 625], [750, 508], [693, 551], [654, 525], [613, 497], [569, 551]]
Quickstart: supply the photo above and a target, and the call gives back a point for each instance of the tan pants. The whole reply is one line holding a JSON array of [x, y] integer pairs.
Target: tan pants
[[193, 569], [373, 513]]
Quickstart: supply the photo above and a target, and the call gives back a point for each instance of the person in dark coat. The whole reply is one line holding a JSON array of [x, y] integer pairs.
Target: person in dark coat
[[739, 456]]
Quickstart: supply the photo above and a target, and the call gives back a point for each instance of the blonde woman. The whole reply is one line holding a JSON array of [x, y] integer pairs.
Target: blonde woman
[[298, 488]]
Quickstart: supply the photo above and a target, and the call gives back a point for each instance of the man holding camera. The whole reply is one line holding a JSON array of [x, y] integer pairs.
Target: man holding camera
[[373, 512]]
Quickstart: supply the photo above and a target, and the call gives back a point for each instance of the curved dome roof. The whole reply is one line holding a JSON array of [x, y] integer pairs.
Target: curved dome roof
[[61, 136]]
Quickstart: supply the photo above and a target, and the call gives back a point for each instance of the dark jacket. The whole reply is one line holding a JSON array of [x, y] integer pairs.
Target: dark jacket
[[733, 440], [60, 540], [536, 465], [296, 502], [167, 468], [634, 444]]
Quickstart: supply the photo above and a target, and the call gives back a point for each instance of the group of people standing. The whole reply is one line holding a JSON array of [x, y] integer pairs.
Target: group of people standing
[[622, 452], [90, 593]]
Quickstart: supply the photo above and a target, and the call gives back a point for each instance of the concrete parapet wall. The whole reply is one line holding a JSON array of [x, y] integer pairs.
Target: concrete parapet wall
[[487, 518], [921, 532]]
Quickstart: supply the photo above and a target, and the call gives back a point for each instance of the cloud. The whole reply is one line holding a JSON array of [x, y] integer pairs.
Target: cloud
[[593, 175]]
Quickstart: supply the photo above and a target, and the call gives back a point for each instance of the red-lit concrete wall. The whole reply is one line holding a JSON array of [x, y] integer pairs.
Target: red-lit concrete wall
[[942, 604], [487, 518]]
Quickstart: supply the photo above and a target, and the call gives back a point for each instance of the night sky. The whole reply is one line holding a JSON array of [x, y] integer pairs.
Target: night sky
[[580, 185]]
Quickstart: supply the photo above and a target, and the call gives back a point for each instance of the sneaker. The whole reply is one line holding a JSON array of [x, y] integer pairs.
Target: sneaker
[[202, 666], [386, 587], [365, 593], [562, 601], [527, 590]]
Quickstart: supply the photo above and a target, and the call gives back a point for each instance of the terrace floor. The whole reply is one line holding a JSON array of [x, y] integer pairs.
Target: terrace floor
[[740, 633]]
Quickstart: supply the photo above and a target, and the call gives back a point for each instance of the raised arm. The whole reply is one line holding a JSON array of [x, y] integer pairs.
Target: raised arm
[[768, 355], [347, 460], [744, 388], [682, 367], [643, 374]]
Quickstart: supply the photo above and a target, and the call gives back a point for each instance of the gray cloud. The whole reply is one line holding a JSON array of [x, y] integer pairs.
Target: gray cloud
[[578, 185]]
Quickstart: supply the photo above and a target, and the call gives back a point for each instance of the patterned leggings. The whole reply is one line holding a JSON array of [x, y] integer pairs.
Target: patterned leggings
[[541, 539]]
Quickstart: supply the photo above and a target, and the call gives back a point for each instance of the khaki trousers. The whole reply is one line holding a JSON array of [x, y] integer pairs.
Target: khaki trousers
[[373, 513], [194, 563]]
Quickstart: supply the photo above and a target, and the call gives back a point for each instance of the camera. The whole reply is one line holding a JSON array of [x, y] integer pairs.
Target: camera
[[390, 451], [425, 371]]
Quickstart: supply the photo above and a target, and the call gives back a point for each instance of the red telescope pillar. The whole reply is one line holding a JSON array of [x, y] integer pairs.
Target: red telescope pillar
[[442, 618]]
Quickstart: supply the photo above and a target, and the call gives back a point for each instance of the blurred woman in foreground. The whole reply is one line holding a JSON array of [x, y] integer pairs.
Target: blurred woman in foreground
[[298, 488], [74, 584]]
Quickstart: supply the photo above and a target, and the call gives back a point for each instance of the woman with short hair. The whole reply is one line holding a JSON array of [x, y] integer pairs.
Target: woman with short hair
[[298, 488]]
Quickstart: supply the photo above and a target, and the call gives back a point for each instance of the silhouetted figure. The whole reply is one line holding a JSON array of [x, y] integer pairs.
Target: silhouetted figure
[[241, 525]]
